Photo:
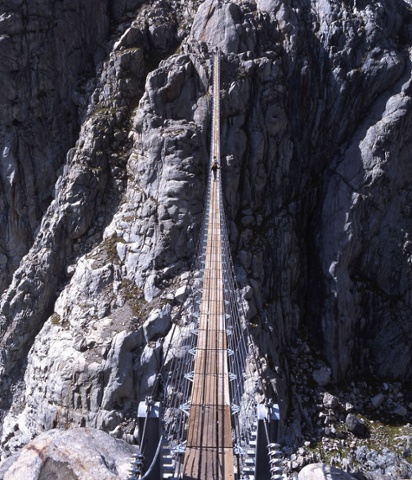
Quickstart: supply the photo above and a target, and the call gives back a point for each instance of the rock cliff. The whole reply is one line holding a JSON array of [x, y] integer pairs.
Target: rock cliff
[[105, 130]]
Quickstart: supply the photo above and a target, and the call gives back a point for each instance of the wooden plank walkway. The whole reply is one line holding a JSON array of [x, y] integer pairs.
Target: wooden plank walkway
[[209, 448]]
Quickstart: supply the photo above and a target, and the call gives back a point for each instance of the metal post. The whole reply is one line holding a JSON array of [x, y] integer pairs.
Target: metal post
[[149, 422], [267, 426]]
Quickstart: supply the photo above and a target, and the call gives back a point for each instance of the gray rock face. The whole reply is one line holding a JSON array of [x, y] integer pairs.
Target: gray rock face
[[78, 338], [361, 177], [167, 172], [316, 133], [40, 73]]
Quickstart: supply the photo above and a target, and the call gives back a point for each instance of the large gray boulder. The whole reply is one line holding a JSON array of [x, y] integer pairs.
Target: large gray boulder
[[320, 471], [77, 454], [355, 425]]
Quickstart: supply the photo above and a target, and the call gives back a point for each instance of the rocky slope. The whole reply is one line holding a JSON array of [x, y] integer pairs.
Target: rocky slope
[[105, 124]]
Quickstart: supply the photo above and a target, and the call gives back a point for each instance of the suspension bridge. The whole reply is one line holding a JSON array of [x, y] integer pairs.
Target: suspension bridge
[[209, 417]]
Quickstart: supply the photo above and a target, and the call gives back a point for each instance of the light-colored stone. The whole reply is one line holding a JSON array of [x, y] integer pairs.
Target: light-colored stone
[[158, 323], [268, 6], [219, 24], [77, 454], [181, 293], [349, 408], [320, 471], [330, 401]]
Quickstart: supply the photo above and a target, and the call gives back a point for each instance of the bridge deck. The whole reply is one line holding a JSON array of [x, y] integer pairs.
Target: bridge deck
[[209, 448]]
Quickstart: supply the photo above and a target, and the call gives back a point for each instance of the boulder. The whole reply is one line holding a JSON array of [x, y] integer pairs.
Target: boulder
[[322, 376], [158, 323], [400, 411], [330, 401], [377, 400], [268, 6], [320, 471], [181, 294], [77, 454], [355, 425]]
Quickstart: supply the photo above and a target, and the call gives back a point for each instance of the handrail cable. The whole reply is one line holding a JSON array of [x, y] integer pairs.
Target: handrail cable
[[150, 469]]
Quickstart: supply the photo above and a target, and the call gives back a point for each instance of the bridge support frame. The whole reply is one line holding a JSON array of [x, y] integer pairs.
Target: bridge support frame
[[148, 414], [268, 418]]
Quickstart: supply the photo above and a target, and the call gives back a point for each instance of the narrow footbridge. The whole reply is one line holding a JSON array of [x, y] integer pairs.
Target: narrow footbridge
[[208, 417]]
